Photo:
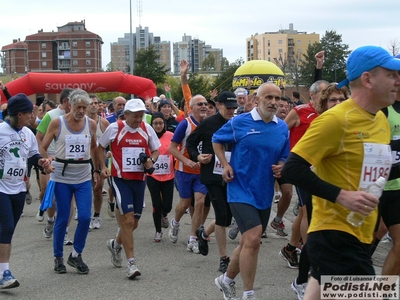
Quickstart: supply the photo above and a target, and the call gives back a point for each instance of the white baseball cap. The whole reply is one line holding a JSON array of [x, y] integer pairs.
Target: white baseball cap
[[134, 105], [156, 99]]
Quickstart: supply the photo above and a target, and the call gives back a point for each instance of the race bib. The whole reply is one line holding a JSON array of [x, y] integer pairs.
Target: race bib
[[14, 169], [162, 165], [77, 146], [218, 169], [396, 154], [377, 162], [130, 159]]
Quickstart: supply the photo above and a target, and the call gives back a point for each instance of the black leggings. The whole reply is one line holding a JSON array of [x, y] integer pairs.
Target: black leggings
[[11, 207], [219, 201], [162, 193]]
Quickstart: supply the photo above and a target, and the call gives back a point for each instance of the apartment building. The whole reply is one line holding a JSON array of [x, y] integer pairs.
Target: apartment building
[[72, 48], [141, 39], [14, 58], [282, 45], [194, 51]]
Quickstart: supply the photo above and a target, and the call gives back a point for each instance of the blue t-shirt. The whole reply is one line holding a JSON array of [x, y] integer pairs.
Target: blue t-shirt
[[256, 146], [112, 118]]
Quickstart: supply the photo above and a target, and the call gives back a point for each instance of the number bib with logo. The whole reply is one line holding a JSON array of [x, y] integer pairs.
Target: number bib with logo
[[77, 146], [130, 159], [396, 154], [14, 169], [218, 169], [162, 165], [377, 162]]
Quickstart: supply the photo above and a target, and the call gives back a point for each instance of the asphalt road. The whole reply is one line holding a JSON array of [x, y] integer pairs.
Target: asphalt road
[[168, 270]]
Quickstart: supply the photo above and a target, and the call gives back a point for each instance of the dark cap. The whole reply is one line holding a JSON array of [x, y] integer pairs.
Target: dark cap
[[19, 103], [163, 102], [209, 101], [228, 98]]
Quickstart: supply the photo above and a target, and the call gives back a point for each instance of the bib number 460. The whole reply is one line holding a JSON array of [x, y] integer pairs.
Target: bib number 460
[[15, 172]]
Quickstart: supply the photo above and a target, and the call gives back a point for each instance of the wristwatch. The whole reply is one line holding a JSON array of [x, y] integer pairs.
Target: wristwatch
[[153, 160]]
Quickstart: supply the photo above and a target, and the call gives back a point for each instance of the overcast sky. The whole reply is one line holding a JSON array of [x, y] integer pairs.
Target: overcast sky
[[222, 24]]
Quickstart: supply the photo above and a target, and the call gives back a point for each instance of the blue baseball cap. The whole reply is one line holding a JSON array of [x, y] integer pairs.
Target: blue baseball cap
[[366, 58]]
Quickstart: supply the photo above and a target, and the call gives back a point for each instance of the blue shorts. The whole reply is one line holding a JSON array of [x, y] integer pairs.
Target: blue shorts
[[129, 195], [187, 184]]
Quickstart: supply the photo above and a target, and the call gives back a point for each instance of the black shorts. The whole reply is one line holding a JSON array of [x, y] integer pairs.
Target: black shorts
[[389, 207], [248, 217], [333, 252], [207, 201], [281, 181], [303, 196]]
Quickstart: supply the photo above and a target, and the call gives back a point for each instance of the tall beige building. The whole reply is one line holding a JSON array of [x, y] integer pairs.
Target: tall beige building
[[278, 47]]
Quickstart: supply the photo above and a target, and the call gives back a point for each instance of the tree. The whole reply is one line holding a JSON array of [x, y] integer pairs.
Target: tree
[[336, 53], [146, 65], [224, 63], [291, 67], [208, 63], [223, 82], [110, 67], [394, 47]]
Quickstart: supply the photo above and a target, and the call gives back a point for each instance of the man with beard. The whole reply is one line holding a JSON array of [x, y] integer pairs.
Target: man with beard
[[260, 147]]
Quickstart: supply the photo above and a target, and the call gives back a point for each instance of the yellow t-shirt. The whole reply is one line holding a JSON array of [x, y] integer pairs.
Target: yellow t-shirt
[[334, 144]]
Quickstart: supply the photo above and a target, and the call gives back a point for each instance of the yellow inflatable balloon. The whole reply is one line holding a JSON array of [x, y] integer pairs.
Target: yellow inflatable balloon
[[259, 71]]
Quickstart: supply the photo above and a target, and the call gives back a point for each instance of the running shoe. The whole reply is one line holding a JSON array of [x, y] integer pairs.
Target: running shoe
[[157, 237], [39, 215], [279, 227], [78, 264], [59, 266], [173, 232], [110, 209], [193, 246], [164, 221], [8, 281], [48, 230], [233, 231], [116, 258], [228, 291], [67, 241], [223, 264], [290, 257], [299, 289], [28, 198], [201, 241], [277, 197], [132, 270], [95, 223]]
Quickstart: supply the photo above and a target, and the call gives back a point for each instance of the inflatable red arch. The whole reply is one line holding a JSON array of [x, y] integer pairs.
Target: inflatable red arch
[[54, 83]]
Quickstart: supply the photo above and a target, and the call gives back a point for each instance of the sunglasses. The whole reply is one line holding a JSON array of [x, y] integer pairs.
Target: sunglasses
[[202, 103]]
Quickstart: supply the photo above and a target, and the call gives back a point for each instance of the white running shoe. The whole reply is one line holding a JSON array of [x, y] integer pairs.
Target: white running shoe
[[158, 237], [95, 223], [116, 258], [193, 246], [132, 270], [173, 232], [299, 289], [228, 291]]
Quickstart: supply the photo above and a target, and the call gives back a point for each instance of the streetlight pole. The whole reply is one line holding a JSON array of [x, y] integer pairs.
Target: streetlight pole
[[131, 41]]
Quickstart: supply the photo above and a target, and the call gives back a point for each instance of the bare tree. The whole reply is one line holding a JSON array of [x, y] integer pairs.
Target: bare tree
[[394, 46], [290, 66]]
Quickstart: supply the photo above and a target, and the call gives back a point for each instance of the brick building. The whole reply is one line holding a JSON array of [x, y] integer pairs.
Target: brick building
[[71, 49]]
